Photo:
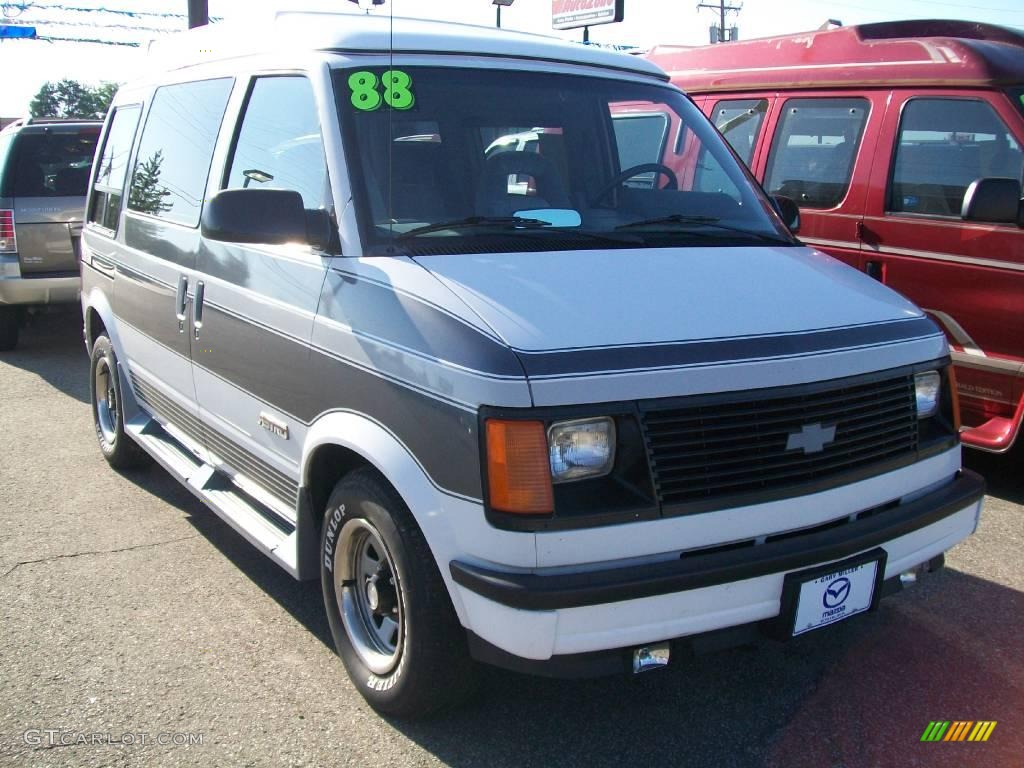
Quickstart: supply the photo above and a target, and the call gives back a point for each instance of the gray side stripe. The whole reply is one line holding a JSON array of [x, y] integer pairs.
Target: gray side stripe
[[414, 417], [409, 294], [395, 317]]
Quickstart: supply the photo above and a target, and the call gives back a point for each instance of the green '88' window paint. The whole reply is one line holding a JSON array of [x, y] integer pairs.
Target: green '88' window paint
[[367, 89]]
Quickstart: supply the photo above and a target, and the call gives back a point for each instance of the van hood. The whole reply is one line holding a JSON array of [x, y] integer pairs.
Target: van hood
[[578, 299]]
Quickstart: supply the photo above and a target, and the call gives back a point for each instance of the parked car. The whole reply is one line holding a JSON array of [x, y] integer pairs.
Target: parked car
[[550, 424], [901, 143], [44, 175]]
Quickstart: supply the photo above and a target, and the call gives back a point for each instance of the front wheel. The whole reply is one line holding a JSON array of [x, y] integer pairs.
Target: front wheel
[[391, 618]]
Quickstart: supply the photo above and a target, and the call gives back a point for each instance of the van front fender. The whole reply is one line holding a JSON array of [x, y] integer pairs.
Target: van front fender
[[455, 527]]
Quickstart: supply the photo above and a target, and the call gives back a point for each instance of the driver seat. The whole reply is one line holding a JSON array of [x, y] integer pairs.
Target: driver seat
[[492, 195]]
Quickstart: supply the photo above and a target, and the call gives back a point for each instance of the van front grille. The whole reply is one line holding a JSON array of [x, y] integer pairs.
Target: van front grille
[[737, 446]]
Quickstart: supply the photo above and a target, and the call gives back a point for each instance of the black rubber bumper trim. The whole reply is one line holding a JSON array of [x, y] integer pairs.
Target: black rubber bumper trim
[[535, 592]]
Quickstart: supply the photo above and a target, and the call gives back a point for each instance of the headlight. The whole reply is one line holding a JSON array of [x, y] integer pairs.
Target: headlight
[[927, 387], [581, 448]]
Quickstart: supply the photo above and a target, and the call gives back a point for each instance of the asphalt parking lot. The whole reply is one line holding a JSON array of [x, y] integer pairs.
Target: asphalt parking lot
[[132, 614]]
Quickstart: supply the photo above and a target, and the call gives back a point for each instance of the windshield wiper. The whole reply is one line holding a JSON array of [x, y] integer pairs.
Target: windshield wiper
[[697, 221], [521, 225], [500, 222]]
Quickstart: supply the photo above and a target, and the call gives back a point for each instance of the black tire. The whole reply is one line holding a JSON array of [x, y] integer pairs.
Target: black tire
[[9, 317], [432, 669], [120, 451]]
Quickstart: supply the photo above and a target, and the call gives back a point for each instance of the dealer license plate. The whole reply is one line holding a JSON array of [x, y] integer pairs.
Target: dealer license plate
[[835, 595]]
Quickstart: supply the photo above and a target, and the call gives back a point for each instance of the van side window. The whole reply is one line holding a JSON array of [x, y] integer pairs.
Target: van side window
[[279, 143], [175, 150], [812, 154], [108, 188], [740, 123], [944, 145]]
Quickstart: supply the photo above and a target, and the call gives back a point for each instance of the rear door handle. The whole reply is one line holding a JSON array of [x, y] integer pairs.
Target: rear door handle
[[100, 261], [197, 308], [180, 300]]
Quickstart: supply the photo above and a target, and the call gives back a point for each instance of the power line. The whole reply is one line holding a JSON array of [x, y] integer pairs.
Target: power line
[[52, 39], [54, 23], [24, 6]]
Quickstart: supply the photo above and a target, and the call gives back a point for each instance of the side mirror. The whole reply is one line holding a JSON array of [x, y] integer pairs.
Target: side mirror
[[789, 211], [264, 216], [993, 200]]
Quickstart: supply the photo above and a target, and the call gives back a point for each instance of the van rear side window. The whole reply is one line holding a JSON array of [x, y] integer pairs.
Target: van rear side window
[[944, 145], [812, 154], [108, 189], [175, 150], [51, 163], [740, 123]]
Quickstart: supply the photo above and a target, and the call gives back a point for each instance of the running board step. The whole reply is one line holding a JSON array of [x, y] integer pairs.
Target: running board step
[[262, 527]]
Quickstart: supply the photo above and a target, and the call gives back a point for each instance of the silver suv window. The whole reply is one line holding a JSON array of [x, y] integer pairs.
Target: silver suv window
[[52, 162]]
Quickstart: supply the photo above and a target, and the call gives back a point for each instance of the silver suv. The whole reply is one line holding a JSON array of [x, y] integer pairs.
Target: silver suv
[[44, 175]]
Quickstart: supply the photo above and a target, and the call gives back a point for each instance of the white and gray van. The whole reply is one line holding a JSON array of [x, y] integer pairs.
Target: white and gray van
[[566, 405]]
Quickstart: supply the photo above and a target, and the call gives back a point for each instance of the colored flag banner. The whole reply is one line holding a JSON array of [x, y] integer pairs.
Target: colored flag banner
[[9, 32], [958, 730]]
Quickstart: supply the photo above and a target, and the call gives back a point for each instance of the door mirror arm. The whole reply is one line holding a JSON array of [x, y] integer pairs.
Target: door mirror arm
[[788, 211]]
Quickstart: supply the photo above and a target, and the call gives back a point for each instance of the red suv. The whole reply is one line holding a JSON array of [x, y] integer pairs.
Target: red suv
[[902, 144]]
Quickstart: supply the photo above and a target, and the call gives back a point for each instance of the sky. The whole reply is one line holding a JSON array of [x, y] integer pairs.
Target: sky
[[27, 64]]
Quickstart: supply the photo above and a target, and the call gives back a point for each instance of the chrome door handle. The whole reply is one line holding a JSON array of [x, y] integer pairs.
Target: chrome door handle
[[197, 308], [180, 300]]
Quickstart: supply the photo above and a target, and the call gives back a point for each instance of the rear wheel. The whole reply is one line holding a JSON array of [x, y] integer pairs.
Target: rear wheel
[[9, 317], [392, 620], [120, 451]]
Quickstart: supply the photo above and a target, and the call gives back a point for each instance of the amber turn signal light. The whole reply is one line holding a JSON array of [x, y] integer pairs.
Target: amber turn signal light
[[518, 468]]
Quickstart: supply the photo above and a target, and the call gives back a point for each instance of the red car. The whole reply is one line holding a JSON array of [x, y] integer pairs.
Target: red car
[[902, 144]]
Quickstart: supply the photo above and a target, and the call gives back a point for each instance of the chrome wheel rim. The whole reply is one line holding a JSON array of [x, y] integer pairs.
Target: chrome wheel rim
[[369, 596], [106, 401]]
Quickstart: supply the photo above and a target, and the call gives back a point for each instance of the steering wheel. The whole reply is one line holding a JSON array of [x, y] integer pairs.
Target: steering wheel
[[629, 173]]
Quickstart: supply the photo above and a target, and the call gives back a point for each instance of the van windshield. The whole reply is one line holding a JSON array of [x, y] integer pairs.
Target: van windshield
[[52, 163], [451, 160]]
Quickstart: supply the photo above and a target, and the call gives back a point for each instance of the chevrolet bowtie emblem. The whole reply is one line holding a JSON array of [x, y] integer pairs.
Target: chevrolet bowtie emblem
[[812, 438]]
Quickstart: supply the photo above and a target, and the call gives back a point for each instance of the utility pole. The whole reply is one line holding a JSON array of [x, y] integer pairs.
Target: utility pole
[[198, 13], [722, 9]]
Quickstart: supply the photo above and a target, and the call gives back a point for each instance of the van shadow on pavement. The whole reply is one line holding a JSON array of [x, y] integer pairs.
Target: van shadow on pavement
[[1002, 471], [51, 346], [857, 695], [301, 599]]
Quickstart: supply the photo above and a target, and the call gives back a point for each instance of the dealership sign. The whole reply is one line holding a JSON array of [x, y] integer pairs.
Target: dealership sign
[[569, 14]]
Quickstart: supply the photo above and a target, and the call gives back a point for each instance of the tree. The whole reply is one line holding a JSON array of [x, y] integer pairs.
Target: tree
[[146, 193], [70, 98]]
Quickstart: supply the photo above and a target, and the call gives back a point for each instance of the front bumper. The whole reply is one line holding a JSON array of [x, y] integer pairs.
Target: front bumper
[[540, 615]]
